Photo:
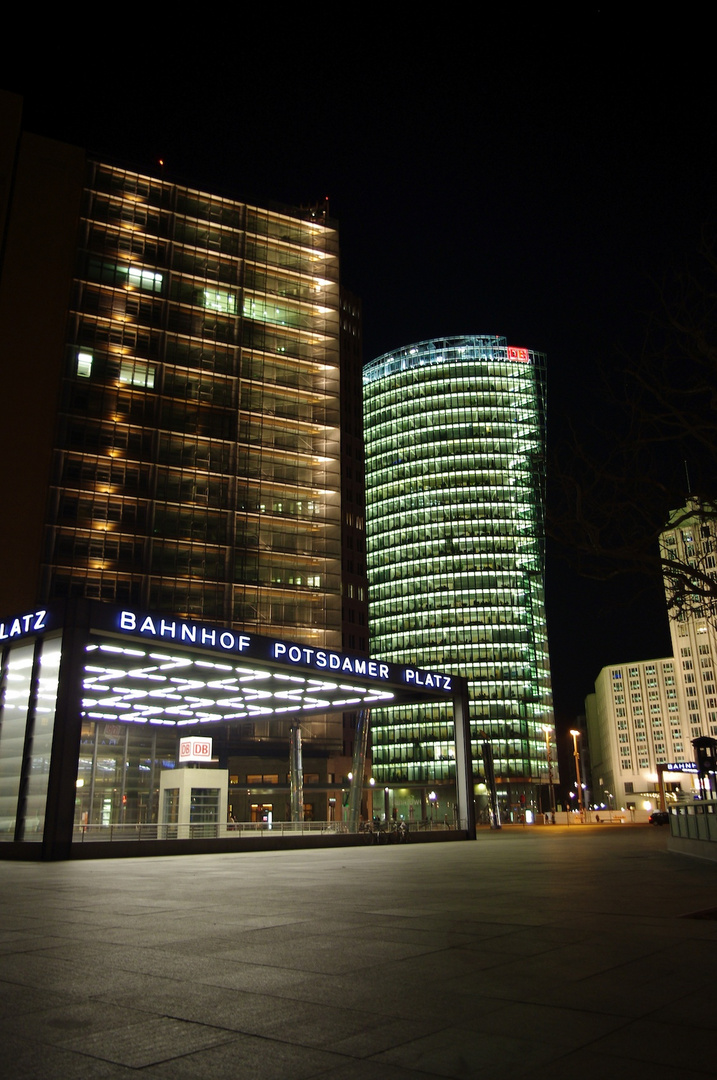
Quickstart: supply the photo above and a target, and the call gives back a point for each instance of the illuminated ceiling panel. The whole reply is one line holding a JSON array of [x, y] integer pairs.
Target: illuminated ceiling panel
[[159, 696]]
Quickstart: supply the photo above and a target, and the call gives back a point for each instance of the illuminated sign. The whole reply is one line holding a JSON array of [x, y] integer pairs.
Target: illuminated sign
[[190, 634], [31, 623], [431, 679], [252, 646], [329, 661], [195, 750], [185, 633], [520, 355], [682, 766], [220, 639]]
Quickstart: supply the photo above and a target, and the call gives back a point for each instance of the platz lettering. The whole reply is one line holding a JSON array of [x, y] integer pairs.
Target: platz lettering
[[30, 623], [430, 679]]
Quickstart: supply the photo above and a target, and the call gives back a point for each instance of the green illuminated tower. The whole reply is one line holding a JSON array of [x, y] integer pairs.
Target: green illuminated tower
[[455, 478]]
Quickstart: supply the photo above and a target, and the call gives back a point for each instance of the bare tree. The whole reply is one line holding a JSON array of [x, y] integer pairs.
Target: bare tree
[[647, 459]]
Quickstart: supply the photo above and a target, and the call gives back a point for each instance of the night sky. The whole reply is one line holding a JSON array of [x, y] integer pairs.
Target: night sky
[[533, 177]]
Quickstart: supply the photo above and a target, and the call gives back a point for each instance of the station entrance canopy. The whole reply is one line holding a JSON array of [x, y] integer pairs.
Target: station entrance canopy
[[123, 666], [220, 675]]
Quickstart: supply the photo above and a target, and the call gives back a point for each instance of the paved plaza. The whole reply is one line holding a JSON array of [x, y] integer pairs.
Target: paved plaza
[[541, 953]]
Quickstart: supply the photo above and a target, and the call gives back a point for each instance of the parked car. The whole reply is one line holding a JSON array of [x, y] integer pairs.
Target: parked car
[[659, 817]]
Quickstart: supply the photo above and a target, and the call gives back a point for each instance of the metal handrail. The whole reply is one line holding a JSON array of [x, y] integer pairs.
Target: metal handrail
[[197, 830], [182, 830]]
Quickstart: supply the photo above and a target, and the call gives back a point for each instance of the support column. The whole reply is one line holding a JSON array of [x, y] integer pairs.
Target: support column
[[297, 774], [61, 785], [358, 767], [27, 748], [464, 758]]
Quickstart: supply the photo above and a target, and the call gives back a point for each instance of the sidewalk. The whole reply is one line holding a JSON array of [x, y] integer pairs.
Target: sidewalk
[[545, 952]]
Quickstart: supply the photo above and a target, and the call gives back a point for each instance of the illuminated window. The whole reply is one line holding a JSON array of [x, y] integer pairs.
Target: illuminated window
[[84, 364], [219, 300], [144, 279], [137, 373]]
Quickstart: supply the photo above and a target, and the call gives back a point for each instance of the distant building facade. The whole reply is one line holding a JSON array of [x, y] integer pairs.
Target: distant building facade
[[635, 723], [691, 539], [455, 476], [645, 714]]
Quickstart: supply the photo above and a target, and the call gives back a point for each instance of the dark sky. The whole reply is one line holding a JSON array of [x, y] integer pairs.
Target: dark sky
[[524, 175]]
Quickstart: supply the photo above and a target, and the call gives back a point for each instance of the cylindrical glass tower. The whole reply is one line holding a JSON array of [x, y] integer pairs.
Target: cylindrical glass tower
[[455, 477]]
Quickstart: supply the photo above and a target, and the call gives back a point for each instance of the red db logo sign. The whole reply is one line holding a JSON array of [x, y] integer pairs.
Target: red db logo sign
[[195, 749]]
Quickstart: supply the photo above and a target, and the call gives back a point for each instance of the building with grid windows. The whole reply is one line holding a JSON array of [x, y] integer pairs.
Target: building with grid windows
[[195, 455], [690, 539], [635, 723], [646, 714], [171, 423], [455, 475]]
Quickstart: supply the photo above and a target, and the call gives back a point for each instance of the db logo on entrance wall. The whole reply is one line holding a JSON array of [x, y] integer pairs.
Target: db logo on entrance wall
[[195, 749]]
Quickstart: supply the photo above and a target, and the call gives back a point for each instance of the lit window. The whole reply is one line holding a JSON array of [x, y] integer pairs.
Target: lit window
[[219, 300], [136, 373], [84, 364], [144, 279]]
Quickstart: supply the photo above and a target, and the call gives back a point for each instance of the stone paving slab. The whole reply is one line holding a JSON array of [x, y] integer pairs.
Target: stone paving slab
[[536, 953]]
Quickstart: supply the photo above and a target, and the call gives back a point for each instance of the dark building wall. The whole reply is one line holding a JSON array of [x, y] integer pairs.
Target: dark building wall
[[10, 128], [354, 581], [353, 500], [43, 202]]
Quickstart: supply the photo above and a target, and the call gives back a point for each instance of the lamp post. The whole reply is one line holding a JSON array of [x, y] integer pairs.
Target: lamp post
[[576, 755], [546, 729]]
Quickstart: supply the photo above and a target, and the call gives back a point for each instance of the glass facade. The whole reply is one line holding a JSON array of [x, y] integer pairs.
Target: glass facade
[[196, 464], [28, 694], [455, 477]]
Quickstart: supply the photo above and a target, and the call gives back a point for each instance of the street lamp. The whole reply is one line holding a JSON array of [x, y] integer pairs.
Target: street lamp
[[576, 755]]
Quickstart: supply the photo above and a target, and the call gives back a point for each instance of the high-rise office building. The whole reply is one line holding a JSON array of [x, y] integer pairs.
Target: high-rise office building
[[195, 467], [170, 424], [455, 476]]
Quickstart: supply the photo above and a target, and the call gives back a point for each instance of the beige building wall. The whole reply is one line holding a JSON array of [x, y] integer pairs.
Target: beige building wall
[[647, 713], [637, 719]]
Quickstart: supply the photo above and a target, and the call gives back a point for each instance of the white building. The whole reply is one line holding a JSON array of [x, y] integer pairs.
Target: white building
[[646, 713], [635, 723], [692, 541]]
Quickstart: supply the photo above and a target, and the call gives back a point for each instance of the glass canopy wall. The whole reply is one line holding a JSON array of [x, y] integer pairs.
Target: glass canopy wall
[[455, 477]]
